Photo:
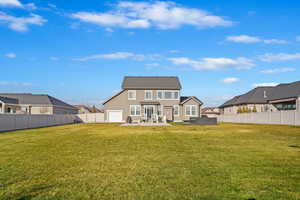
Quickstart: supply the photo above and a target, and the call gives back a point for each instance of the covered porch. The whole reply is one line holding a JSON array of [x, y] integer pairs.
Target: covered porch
[[152, 112]]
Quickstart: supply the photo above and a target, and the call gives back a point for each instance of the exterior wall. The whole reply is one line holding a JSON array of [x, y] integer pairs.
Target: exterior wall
[[37, 110], [298, 104], [121, 102], [189, 102], [13, 108], [46, 110]]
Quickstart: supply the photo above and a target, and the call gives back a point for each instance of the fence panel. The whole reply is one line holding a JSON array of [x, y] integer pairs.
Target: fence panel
[[282, 117], [91, 117]]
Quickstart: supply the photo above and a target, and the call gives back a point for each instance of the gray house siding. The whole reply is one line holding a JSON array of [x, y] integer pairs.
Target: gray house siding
[[121, 102]]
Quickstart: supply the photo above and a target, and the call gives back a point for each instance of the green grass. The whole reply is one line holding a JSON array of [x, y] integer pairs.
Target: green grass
[[106, 161]]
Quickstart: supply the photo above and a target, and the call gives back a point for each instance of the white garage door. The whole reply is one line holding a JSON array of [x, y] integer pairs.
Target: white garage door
[[115, 116]]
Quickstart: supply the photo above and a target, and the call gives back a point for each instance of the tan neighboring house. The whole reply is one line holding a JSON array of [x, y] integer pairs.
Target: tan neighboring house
[[210, 112], [266, 99], [8, 105], [27, 103], [83, 109], [151, 98]]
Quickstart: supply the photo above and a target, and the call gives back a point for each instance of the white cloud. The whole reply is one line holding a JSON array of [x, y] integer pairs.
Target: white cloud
[[269, 57], [243, 39], [21, 23], [214, 63], [152, 65], [11, 55], [163, 15], [18, 4], [230, 80], [275, 41], [10, 3], [264, 84], [113, 56], [278, 70], [253, 39]]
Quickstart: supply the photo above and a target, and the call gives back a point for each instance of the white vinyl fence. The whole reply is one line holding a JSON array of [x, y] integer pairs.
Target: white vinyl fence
[[91, 117], [281, 117], [10, 122]]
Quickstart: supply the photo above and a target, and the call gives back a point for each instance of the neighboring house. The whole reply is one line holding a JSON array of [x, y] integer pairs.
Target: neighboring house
[[286, 96], [210, 112], [26, 103], [150, 97], [266, 99], [8, 105], [83, 109]]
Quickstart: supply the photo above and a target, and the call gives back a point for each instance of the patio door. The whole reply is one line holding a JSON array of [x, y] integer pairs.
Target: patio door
[[148, 111]]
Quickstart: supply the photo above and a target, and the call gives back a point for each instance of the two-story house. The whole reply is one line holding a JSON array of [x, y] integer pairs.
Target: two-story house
[[147, 98]]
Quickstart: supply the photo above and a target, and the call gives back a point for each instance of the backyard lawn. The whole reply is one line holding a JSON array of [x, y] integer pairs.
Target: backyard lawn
[[106, 161]]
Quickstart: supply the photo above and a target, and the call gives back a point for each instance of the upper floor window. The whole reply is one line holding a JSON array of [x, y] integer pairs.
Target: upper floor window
[[131, 95], [191, 110], [168, 95], [159, 94], [148, 95]]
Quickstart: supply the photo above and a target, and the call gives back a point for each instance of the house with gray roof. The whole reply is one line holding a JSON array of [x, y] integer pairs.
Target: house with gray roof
[[266, 99], [8, 105], [151, 98], [27, 103]]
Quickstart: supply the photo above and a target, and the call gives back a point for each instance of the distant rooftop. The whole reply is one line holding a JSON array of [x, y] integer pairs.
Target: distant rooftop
[[36, 99], [262, 95], [151, 82]]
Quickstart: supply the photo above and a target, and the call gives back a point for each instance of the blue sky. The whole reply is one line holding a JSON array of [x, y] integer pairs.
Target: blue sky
[[81, 51]]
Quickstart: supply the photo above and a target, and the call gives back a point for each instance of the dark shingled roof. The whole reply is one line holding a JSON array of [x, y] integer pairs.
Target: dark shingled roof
[[37, 99], [230, 102], [284, 91], [257, 95], [151, 82], [8, 100], [185, 98], [264, 94]]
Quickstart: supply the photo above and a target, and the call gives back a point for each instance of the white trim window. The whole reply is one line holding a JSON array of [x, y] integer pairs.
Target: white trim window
[[176, 110], [135, 110], [167, 95], [131, 94], [159, 94], [148, 94], [191, 110]]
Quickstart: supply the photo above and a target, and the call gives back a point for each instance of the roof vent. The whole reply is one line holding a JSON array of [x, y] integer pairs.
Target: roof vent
[[265, 94]]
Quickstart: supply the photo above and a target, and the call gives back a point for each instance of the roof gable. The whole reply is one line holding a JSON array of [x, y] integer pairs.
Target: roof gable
[[151, 82], [185, 99]]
